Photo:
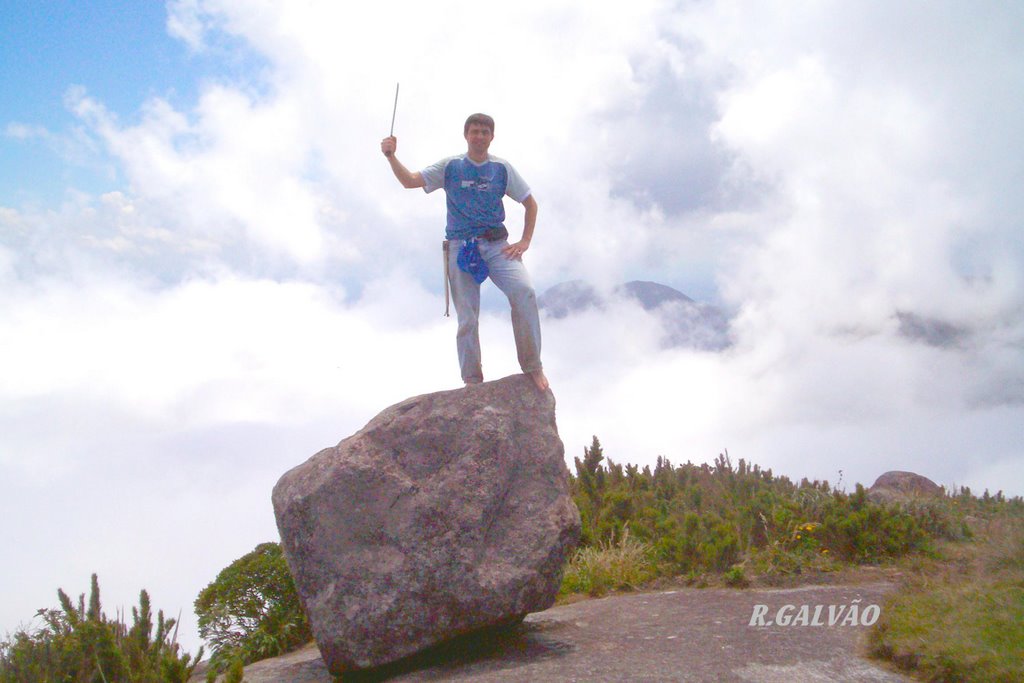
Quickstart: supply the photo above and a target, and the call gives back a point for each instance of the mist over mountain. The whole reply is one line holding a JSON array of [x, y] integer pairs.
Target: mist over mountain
[[930, 331], [687, 323]]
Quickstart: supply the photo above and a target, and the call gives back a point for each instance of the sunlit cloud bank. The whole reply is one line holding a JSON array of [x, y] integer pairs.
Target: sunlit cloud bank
[[207, 352]]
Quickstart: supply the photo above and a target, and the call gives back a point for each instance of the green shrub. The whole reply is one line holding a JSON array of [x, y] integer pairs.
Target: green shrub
[[707, 518], [873, 532], [610, 565], [79, 643], [236, 671], [251, 611], [736, 577], [720, 548]]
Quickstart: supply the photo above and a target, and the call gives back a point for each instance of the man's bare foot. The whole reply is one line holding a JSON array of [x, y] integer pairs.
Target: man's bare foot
[[539, 379]]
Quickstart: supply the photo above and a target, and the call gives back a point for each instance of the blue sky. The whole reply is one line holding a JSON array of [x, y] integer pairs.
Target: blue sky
[[118, 50], [120, 53], [208, 272]]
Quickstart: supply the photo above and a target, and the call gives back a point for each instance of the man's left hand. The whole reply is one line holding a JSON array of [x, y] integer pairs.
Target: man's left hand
[[516, 251]]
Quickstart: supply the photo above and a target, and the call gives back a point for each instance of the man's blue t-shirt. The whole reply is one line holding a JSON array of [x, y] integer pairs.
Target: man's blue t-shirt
[[474, 192]]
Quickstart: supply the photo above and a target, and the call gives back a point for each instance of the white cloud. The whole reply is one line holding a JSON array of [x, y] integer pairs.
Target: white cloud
[[238, 169], [21, 131], [291, 167], [207, 352], [187, 22]]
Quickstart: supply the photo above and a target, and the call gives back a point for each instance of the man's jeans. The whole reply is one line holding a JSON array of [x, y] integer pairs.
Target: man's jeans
[[511, 277]]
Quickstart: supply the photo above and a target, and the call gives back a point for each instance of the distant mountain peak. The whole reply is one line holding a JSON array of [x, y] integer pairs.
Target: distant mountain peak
[[651, 294], [567, 298], [687, 323], [930, 331]]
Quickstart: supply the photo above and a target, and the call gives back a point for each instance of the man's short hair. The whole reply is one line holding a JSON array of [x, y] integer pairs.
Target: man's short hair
[[479, 119]]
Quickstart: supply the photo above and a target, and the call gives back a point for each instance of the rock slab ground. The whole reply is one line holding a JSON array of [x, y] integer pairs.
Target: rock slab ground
[[680, 635], [448, 513]]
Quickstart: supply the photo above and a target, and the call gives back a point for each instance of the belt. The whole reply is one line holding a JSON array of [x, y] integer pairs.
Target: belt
[[494, 234]]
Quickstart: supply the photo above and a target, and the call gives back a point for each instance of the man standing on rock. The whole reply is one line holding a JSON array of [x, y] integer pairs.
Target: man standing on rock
[[476, 242]]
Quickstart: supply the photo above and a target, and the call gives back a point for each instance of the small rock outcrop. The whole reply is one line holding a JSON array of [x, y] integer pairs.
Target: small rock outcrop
[[448, 513], [898, 487]]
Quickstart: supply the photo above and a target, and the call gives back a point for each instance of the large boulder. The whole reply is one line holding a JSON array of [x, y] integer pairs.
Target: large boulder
[[902, 487], [448, 513]]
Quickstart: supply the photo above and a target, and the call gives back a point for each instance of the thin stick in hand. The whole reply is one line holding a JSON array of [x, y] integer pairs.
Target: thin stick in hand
[[393, 111]]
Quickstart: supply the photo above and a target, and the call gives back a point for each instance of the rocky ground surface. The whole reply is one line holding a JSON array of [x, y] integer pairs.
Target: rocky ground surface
[[682, 634]]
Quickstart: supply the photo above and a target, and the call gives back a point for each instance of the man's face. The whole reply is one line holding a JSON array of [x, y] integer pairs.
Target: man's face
[[479, 138]]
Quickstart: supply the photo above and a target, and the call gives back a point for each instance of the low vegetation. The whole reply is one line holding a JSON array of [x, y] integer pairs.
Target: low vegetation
[[80, 644], [614, 564], [701, 521], [960, 615]]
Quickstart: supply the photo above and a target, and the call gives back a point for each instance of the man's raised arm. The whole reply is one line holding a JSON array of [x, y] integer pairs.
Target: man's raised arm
[[408, 179]]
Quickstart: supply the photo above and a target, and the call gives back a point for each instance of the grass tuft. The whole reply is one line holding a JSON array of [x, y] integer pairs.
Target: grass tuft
[[610, 565]]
